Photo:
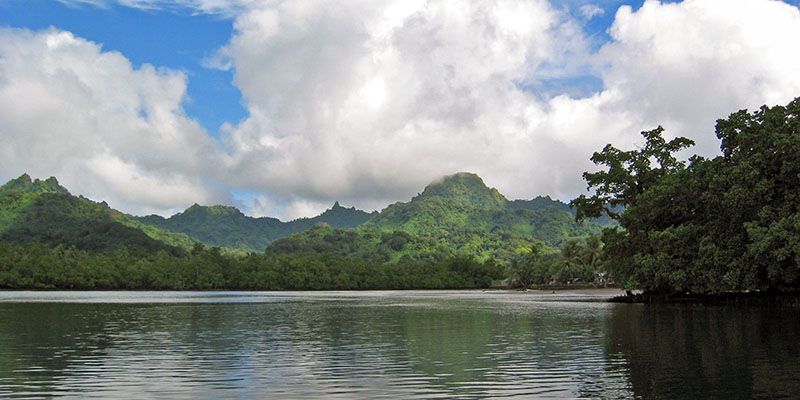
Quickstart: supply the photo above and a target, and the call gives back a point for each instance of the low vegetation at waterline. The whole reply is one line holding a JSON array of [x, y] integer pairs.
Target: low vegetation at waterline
[[36, 266]]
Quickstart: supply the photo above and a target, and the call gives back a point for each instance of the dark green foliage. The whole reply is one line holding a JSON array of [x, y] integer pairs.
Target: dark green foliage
[[228, 227], [41, 211], [456, 234], [36, 266], [731, 223], [18, 193], [576, 262], [539, 203], [221, 226], [457, 215], [61, 219], [336, 216], [461, 204]]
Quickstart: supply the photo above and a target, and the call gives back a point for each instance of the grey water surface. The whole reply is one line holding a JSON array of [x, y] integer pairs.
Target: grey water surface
[[430, 344]]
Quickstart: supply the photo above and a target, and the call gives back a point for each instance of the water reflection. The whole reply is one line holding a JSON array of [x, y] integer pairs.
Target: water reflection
[[397, 345], [708, 352]]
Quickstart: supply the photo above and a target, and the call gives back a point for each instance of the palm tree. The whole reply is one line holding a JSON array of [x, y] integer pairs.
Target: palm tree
[[523, 268], [592, 251], [570, 260]]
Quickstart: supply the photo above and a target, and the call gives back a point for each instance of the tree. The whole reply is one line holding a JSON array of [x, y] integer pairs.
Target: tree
[[592, 251], [526, 267], [730, 223], [628, 174], [570, 262]]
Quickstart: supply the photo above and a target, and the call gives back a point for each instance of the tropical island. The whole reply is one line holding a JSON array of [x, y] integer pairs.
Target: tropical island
[[651, 222]]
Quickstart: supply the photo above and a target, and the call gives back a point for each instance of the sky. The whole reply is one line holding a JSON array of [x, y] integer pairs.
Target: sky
[[283, 107]]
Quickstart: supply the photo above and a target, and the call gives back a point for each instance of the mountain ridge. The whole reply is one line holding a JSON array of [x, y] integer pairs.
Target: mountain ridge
[[457, 213], [227, 226], [43, 211]]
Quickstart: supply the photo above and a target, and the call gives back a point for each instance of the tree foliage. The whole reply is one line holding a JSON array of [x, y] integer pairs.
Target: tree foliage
[[37, 266], [228, 227], [729, 223]]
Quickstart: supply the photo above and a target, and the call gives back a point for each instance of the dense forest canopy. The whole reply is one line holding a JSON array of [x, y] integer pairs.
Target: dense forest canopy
[[226, 226], [709, 225], [457, 215]]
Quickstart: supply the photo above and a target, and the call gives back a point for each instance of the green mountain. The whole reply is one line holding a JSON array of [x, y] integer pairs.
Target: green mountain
[[42, 211], [463, 203], [228, 227], [458, 214]]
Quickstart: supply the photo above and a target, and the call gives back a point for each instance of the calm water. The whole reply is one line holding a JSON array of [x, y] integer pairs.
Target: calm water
[[389, 345]]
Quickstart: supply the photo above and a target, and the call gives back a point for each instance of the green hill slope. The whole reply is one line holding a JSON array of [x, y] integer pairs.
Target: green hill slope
[[458, 214], [463, 203], [228, 227], [42, 211]]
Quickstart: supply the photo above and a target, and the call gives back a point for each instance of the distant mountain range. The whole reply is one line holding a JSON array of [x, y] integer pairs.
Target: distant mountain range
[[457, 214], [228, 227]]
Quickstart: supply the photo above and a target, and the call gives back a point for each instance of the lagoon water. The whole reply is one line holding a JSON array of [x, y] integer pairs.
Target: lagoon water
[[209, 345]]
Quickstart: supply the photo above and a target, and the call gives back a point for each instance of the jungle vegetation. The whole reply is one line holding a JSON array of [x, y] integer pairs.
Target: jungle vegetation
[[730, 223]]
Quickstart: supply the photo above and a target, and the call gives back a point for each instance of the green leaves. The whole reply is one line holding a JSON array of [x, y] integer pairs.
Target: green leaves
[[228, 227], [730, 223], [628, 174]]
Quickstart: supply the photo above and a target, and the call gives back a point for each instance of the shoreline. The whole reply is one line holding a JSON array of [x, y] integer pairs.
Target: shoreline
[[754, 298]]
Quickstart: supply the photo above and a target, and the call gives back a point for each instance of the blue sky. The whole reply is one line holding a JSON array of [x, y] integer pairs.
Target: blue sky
[[173, 39], [366, 102]]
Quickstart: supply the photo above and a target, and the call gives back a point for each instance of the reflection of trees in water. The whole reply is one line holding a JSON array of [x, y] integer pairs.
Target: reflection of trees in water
[[38, 341], [508, 349], [401, 346], [708, 352], [52, 347]]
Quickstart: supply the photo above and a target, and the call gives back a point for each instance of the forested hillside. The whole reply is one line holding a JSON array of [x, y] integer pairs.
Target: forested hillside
[[228, 227], [458, 214], [457, 233], [42, 211]]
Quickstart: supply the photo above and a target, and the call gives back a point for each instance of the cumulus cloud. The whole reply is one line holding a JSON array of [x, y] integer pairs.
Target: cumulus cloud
[[106, 129], [373, 99], [685, 65], [366, 101]]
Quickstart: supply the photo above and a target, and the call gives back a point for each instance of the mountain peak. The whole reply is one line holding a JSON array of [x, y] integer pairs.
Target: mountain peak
[[24, 178], [465, 188], [219, 210], [25, 184]]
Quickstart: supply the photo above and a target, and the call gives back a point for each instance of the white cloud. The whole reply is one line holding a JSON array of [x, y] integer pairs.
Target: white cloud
[[106, 129], [229, 8], [685, 65], [589, 11], [366, 101], [371, 100]]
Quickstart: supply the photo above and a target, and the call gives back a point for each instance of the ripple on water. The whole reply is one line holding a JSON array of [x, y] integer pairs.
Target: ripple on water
[[349, 345]]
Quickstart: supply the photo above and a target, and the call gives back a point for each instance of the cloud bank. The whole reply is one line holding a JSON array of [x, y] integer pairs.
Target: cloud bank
[[367, 101]]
